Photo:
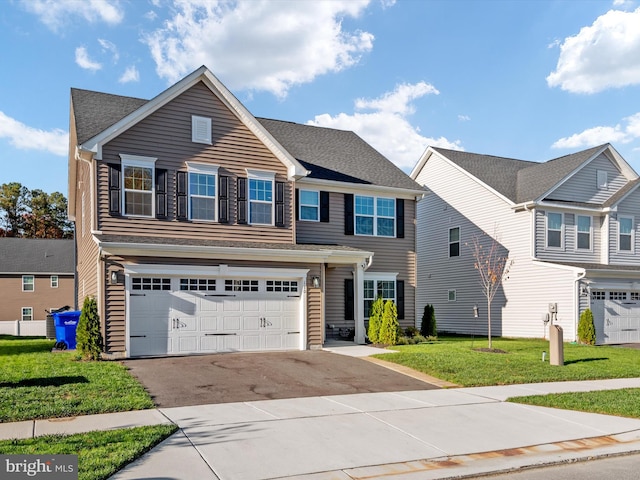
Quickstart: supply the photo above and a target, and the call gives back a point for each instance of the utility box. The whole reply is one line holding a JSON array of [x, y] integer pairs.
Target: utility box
[[556, 346]]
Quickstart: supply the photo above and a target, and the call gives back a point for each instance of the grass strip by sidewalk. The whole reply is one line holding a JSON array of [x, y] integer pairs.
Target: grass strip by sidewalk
[[36, 383], [622, 403], [100, 454], [458, 360]]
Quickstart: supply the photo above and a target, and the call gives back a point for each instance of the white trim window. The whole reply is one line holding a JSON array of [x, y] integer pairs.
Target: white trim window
[[261, 186], [28, 283], [201, 129], [602, 179], [451, 296], [378, 286], [554, 229], [454, 242], [375, 216], [26, 314], [138, 185], [202, 191], [309, 205], [583, 232], [625, 234], [54, 281]]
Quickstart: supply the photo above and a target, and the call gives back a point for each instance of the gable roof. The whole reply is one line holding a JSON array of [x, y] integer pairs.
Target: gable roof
[[36, 255], [337, 155]]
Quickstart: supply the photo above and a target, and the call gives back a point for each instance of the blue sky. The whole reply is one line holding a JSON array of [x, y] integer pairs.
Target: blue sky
[[532, 80]]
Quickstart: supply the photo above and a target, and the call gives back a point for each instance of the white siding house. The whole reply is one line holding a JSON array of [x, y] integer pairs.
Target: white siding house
[[557, 221]]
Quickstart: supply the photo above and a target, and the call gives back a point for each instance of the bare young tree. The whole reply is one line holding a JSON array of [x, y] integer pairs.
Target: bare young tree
[[493, 268]]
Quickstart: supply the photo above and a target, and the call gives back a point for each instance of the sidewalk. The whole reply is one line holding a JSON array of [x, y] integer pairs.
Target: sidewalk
[[410, 435]]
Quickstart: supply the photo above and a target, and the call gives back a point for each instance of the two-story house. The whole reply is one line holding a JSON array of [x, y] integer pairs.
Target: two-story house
[[36, 276], [569, 224], [201, 228]]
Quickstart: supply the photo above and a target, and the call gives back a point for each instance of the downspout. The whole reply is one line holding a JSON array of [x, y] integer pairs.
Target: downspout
[[576, 303]]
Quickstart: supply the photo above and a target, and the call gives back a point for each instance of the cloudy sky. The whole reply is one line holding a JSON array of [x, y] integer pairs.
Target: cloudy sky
[[532, 80]]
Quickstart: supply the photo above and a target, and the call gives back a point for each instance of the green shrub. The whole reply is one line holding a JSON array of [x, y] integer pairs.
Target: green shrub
[[404, 341], [586, 328], [411, 332], [419, 339], [375, 320], [389, 327], [428, 327], [88, 336]]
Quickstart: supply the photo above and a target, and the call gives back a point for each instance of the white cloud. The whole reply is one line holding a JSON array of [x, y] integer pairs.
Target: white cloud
[[464, 118], [57, 13], [131, 74], [601, 56], [21, 136], [83, 60], [624, 132], [259, 45], [387, 128], [108, 46]]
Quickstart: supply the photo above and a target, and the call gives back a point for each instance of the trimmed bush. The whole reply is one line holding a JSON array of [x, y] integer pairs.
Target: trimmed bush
[[586, 328], [428, 327], [389, 327], [88, 336], [375, 320]]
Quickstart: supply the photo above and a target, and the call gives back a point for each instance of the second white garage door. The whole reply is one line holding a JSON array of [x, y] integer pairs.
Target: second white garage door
[[616, 315]]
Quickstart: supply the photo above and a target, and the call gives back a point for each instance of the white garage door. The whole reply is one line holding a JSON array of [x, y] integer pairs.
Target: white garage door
[[616, 316], [181, 316]]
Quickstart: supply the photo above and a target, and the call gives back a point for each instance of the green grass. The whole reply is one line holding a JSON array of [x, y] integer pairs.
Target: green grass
[[46, 385], [100, 454], [623, 403], [455, 360]]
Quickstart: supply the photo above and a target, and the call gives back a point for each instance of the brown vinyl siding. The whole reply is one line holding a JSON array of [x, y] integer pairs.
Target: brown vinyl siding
[[114, 332], [166, 135], [42, 298]]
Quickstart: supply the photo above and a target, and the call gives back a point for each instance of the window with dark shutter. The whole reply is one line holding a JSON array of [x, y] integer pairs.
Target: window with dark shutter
[[349, 311], [223, 199], [242, 200], [181, 195], [399, 218], [348, 214], [161, 193], [324, 206], [400, 298], [114, 189], [279, 204]]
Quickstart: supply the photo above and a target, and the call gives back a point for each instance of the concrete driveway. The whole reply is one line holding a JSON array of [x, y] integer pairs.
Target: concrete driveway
[[245, 377]]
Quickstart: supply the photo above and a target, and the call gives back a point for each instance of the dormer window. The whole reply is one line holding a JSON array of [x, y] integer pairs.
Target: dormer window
[[602, 179], [200, 129]]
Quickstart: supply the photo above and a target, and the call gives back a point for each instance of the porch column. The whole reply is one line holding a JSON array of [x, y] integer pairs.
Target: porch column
[[358, 303]]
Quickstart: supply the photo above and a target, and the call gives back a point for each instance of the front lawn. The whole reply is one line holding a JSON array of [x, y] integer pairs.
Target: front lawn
[[457, 360], [36, 383], [100, 454]]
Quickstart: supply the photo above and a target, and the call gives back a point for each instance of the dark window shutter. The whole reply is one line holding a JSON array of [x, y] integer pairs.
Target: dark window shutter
[[279, 204], [324, 206], [400, 298], [223, 199], [297, 205], [181, 195], [349, 310], [114, 189], [399, 218], [348, 213], [242, 200], [161, 193]]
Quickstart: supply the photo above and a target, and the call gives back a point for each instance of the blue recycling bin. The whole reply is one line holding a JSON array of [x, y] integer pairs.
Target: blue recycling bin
[[66, 324]]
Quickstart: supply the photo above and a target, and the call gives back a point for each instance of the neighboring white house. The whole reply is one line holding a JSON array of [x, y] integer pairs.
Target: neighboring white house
[[569, 225]]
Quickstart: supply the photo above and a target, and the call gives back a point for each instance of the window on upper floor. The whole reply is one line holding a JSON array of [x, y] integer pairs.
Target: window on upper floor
[[202, 191], [375, 216], [451, 295], [261, 198], [625, 234], [200, 129], [309, 205], [602, 179], [583, 232], [54, 281], [27, 314], [454, 242], [554, 230], [138, 183], [28, 283]]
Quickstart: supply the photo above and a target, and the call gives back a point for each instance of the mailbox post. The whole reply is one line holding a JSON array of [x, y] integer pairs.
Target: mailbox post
[[556, 344]]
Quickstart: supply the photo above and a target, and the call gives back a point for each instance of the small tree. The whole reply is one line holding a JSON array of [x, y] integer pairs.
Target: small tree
[[389, 327], [375, 320], [428, 326], [88, 336], [493, 269], [586, 328]]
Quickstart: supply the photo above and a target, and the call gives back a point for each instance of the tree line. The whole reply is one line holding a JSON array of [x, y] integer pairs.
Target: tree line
[[33, 213]]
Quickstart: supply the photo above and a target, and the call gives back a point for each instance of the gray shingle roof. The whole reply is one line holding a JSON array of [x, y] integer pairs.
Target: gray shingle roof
[[616, 197], [518, 180], [36, 255], [598, 266]]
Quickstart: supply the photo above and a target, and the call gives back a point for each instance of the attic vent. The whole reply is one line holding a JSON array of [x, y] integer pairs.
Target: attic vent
[[200, 129]]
